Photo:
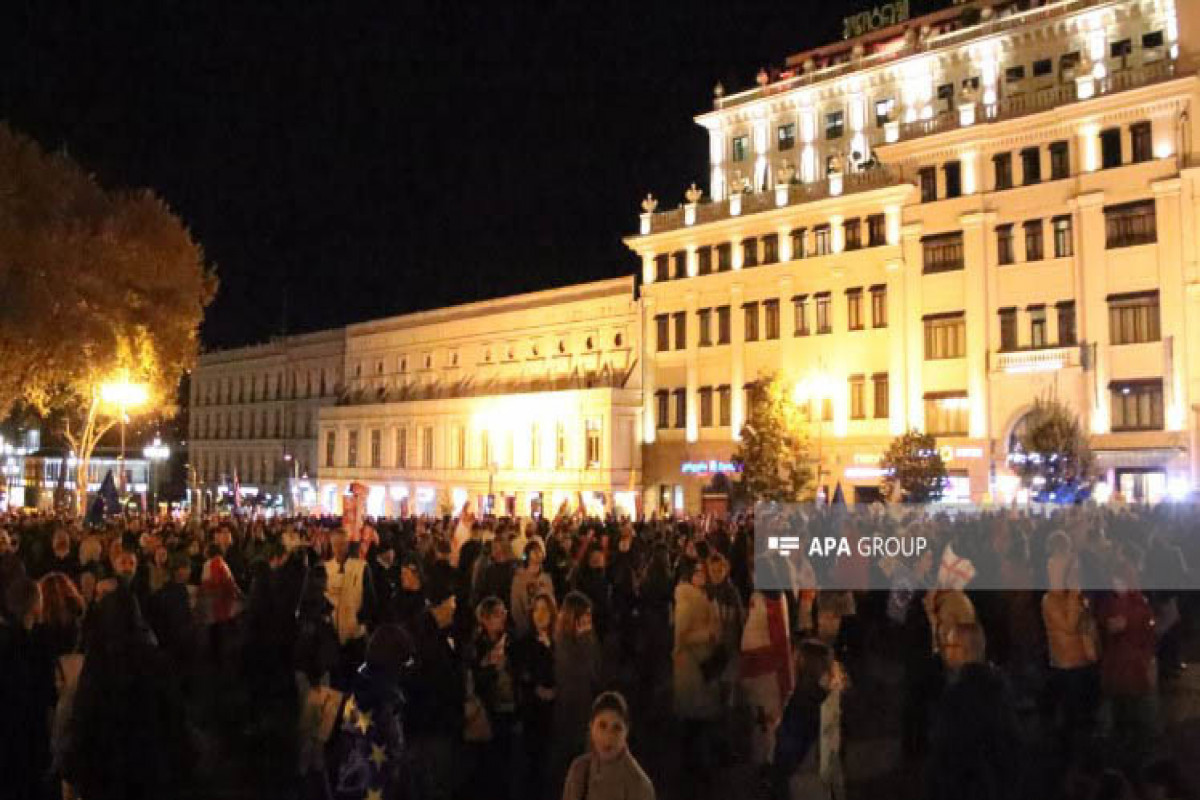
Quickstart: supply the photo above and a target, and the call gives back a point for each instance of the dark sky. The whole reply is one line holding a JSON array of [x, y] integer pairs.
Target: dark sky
[[343, 161]]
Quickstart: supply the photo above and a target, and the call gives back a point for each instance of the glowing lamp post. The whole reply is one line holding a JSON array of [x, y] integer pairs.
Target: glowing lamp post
[[124, 395], [152, 453]]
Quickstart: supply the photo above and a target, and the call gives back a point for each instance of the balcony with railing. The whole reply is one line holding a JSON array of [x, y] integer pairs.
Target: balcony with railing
[[740, 204], [1024, 104], [1042, 359]]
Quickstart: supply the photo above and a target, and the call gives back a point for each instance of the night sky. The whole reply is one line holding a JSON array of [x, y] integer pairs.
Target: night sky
[[344, 161]]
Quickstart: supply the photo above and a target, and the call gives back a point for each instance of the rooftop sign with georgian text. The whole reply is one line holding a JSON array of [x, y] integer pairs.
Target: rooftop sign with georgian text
[[881, 16]]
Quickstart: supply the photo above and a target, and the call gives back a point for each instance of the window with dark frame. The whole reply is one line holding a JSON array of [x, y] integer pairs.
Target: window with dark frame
[[786, 136], [706, 407], [704, 262], [1141, 140], [824, 317], [1034, 240], [876, 230], [771, 319], [1066, 323], [1060, 161], [679, 322], [1037, 327], [854, 315], [750, 318], [723, 325], [947, 413], [724, 257], [1137, 405], [823, 239], [679, 264], [1002, 164], [352, 449], [1153, 40], [662, 268], [723, 406], [1064, 236], [942, 252], [953, 174], [1131, 224], [800, 311], [1031, 166], [704, 323], [770, 248], [879, 306], [799, 243], [1005, 252], [1008, 330], [1121, 49], [741, 148], [1110, 148], [680, 396], [1014, 74], [945, 336], [1134, 318], [928, 183], [853, 233], [662, 334], [835, 124], [330, 448], [662, 409], [881, 395], [883, 111], [858, 404], [750, 252], [1043, 67]]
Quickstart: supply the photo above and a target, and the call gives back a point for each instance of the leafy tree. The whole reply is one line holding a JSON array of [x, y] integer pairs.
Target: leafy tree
[[1055, 447], [914, 466], [97, 284], [773, 454]]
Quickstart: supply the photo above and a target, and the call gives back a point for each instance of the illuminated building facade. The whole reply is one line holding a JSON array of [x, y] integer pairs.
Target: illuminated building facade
[[930, 226], [516, 405], [253, 413]]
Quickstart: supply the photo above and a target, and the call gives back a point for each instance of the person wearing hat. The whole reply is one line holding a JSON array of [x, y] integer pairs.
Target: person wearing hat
[[608, 771], [434, 723]]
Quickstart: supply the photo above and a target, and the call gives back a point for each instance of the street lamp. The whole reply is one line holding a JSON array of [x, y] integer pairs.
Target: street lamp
[[155, 452], [817, 388], [123, 394]]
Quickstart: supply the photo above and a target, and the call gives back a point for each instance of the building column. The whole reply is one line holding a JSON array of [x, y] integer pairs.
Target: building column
[[975, 280], [1091, 291], [692, 326], [737, 376], [649, 424], [912, 377], [1172, 300]]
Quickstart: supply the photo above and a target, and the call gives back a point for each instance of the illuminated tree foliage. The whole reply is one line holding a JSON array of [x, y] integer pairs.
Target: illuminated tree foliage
[[1053, 448], [773, 455], [95, 283], [913, 466]]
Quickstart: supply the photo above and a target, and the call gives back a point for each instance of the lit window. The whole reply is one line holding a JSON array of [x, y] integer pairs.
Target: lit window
[[945, 336]]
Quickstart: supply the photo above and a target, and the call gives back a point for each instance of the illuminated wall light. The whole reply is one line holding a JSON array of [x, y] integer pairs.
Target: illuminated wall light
[[735, 204], [1164, 149], [1091, 147], [892, 218], [693, 262], [1178, 488], [647, 267], [969, 172], [837, 231]]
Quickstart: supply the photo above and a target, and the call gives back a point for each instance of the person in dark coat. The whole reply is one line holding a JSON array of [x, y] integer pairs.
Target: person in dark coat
[[534, 658], [129, 738], [170, 614], [26, 695], [410, 600], [437, 691]]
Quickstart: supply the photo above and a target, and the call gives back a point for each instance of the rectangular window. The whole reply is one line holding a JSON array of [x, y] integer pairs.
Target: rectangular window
[[330, 448], [1031, 166], [1008, 330], [1133, 318], [704, 261], [943, 252], [402, 448], [853, 231], [876, 230], [723, 325], [1034, 244], [427, 447], [1152, 40], [662, 413], [787, 136], [706, 407], [352, 449], [485, 449], [376, 448], [741, 148], [750, 252], [879, 306], [884, 109], [662, 333], [724, 257], [882, 395], [771, 318], [1141, 141], [858, 403], [799, 243], [928, 180], [1002, 164], [854, 315], [1004, 245], [458, 446], [679, 319], [704, 323], [535, 445], [770, 248], [800, 310], [1121, 49], [560, 445], [1037, 327], [1131, 224], [592, 433], [679, 262], [662, 268], [1110, 148], [947, 413], [1066, 323], [1014, 74], [953, 172], [824, 317], [680, 396], [945, 336], [1064, 238], [1137, 405], [835, 124], [1043, 67], [823, 238], [723, 406], [750, 317], [1060, 161]]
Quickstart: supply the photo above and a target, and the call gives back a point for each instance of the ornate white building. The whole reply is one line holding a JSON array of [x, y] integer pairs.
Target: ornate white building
[[516, 404], [929, 226]]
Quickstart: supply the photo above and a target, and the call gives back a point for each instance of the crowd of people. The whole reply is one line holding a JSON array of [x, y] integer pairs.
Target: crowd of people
[[481, 657]]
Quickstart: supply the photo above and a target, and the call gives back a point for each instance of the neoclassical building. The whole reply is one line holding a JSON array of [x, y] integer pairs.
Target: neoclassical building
[[930, 226], [516, 405]]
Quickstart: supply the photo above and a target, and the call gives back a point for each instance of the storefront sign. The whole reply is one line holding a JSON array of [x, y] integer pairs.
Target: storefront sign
[[881, 16], [710, 467]]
